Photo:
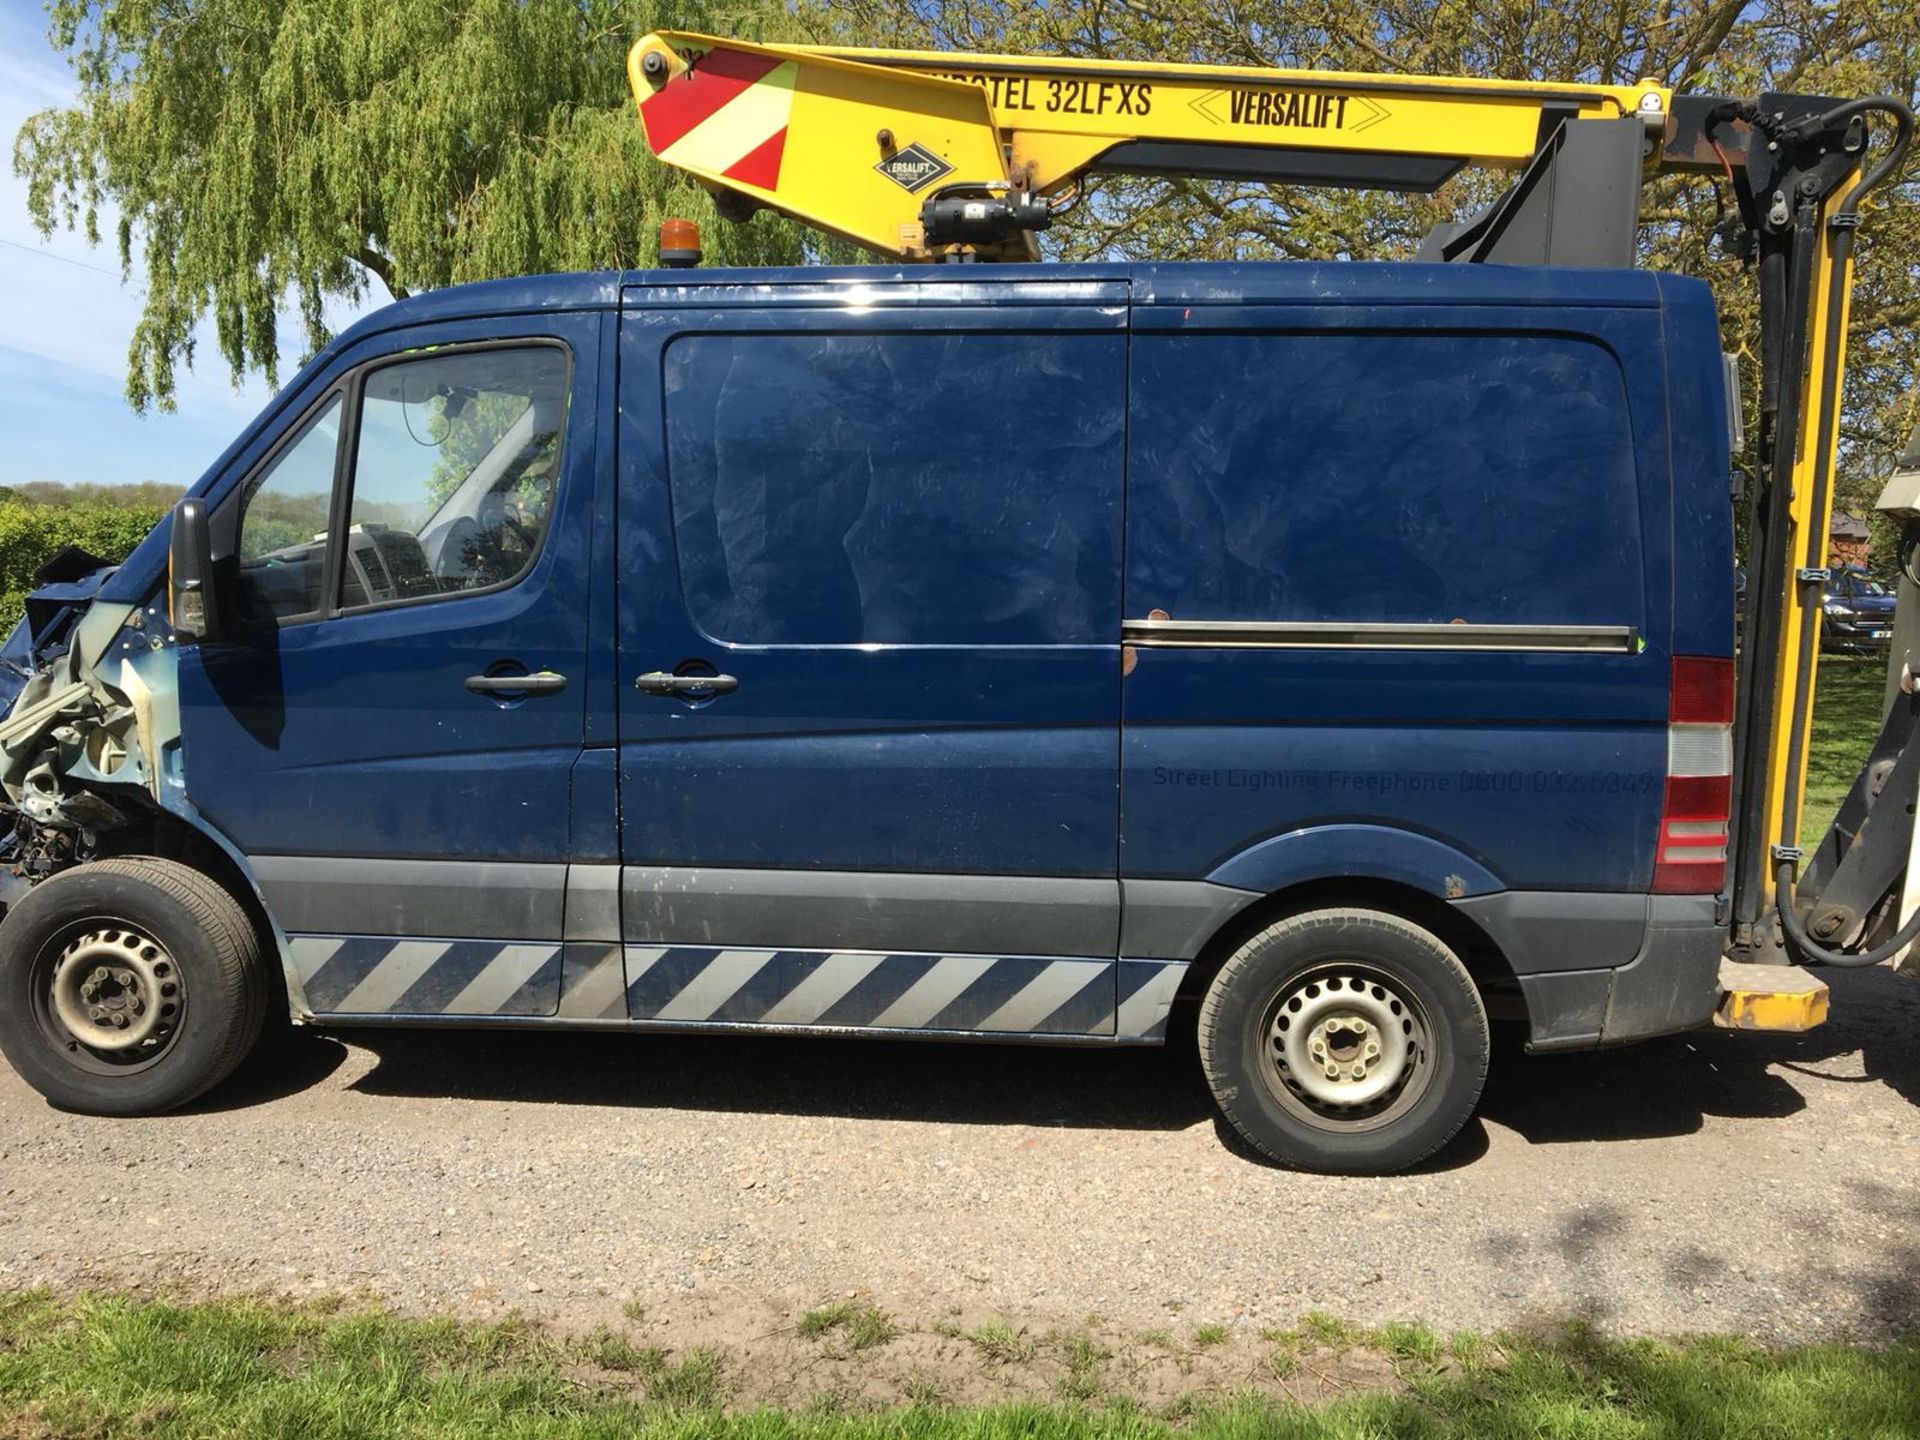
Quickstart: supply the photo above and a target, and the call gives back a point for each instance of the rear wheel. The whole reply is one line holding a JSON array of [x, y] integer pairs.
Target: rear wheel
[[1348, 1041], [128, 986]]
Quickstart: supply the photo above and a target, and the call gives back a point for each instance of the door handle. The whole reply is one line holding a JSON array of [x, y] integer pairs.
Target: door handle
[[544, 682], [691, 687]]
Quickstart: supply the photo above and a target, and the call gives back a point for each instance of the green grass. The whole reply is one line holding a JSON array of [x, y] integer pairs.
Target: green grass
[[611, 1350], [1847, 701], [1084, 1381], [1000, 1343], [1210, 1333], [1329, 1330], [862, 1325], [110, 1366], [1413, 1343]]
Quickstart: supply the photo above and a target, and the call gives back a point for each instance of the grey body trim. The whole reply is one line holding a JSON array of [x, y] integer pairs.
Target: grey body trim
[[840, 1032], [1671, 984], [1549, 931], [593, 903], [1322, 635], [452, 899], [1174, 919], [870, 910]]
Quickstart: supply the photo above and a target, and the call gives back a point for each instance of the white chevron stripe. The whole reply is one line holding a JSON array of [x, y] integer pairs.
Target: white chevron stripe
[[1042, 995], [310, 952], [502, 976], [1148, 1005], [640, 959], [599, 994], [829, 983], [715, 985], [389, 980], [934, 991]]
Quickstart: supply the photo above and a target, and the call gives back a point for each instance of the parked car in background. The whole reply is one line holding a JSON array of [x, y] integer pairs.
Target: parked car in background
[[1858, 613]]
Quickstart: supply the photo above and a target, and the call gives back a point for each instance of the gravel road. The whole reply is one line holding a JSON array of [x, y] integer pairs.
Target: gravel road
[[1769, 1184]]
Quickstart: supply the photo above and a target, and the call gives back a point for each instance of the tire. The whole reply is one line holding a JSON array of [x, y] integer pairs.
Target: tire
[[182, 1000], [1380, 1000]]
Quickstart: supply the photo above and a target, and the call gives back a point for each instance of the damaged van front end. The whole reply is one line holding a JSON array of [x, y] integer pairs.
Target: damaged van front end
[[90, 745]]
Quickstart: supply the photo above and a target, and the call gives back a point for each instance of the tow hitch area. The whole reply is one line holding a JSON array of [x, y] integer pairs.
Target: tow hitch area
[[1770, 997]]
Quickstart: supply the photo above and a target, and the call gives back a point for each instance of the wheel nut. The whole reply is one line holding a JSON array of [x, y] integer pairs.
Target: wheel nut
[[99, 1015], [120, 1021]]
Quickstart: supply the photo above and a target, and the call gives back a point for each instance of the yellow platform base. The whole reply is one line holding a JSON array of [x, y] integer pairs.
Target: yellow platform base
[[1770, 997]]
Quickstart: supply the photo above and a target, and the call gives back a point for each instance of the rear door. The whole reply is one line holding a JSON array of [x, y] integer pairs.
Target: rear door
[[1399, 571], [869, 621]]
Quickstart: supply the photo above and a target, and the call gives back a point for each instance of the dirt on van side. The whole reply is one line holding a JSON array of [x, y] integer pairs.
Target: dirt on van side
[[707, 1192]]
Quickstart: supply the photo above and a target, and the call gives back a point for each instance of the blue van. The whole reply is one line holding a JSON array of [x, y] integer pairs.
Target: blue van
[[1325, 657]]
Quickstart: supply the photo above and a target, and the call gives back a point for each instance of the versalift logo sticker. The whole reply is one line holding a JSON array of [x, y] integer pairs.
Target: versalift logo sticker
[[914, 168]]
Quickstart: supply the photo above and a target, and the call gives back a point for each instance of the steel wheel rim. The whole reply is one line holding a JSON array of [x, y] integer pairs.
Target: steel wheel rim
[[109, 995], [1346, 1047]]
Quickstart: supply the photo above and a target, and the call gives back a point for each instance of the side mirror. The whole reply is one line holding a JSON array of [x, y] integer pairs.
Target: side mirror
[[192, 608]]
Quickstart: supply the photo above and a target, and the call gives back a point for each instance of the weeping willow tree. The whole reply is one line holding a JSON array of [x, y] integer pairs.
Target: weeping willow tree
[[260, 156]]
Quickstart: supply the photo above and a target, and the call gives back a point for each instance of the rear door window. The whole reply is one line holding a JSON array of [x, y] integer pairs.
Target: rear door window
[[1382, 477]]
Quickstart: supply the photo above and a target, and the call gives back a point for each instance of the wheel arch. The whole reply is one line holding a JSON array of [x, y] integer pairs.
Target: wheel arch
[[190, 841], [1489, 966]]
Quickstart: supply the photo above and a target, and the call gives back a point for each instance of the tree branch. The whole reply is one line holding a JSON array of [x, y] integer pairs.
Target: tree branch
[[381, 268]]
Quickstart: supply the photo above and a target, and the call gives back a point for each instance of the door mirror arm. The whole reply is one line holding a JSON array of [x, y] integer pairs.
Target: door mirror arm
[[193, 607]]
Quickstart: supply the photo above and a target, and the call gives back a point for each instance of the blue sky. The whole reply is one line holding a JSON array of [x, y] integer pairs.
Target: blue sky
[[65, 320]]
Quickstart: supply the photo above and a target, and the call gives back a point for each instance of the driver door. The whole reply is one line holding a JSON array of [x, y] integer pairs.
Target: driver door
[[389, 731]]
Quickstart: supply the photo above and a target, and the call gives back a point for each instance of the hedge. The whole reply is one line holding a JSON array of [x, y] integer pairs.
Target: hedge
[[30, 534]]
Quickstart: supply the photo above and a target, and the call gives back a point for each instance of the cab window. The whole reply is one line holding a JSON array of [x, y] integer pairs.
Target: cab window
[[283, 520], [455, 459]]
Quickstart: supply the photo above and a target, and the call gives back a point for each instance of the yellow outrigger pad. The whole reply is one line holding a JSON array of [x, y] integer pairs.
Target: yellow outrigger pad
[[1770, 997]]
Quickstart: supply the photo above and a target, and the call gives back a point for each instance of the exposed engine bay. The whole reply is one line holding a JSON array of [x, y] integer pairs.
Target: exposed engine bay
[[90, 745]]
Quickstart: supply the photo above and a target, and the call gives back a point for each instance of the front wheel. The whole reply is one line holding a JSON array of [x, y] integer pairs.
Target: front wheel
[[128, 986], [1346, 1041]]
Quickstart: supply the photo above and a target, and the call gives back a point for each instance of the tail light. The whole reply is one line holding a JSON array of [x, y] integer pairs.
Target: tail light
[[1690, 857]]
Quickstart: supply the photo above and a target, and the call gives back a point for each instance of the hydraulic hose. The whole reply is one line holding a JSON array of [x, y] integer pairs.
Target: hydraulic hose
[[1902, 115], [1813, 950]]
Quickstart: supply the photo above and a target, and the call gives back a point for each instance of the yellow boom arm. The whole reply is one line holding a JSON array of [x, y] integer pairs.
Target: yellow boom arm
[[856, 141]]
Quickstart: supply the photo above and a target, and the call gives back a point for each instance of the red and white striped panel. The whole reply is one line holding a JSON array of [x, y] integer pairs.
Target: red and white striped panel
[[726, 116]]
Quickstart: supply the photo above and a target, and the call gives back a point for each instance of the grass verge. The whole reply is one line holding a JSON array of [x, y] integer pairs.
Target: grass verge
[[1846, 721], [113, 1365]]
